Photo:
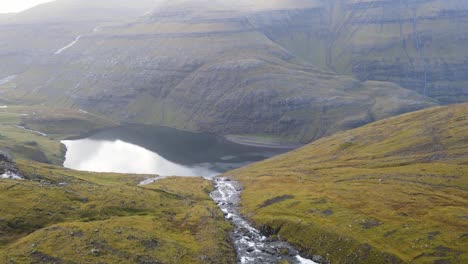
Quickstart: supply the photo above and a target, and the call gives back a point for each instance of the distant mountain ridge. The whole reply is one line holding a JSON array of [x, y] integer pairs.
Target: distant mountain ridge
[[419, 44], [197, 65]]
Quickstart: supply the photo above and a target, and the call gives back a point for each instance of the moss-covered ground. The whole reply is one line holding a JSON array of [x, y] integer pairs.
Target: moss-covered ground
[[392, 191], [64, 216], [57, 215]]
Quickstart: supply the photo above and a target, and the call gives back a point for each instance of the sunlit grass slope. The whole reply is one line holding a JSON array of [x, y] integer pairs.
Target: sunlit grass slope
[[395, 190], [65, 216]]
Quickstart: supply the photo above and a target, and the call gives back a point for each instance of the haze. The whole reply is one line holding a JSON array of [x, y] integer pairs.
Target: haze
[[14, 6]]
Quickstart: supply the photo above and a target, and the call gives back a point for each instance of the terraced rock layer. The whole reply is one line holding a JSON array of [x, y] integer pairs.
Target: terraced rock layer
[[204, 66]]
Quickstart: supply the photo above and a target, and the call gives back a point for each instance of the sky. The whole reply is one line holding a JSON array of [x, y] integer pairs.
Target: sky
[[13, 6]]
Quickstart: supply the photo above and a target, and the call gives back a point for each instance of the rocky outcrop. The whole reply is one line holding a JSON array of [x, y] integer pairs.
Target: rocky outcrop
[[8, 169]]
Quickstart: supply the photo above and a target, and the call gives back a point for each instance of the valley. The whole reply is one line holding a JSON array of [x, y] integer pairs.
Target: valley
[[234, 131], [205, 67], [338, 199]]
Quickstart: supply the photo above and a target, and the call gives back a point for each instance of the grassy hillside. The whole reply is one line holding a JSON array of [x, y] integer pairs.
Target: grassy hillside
[[64, 216], [394, 190], [58, 215], [32, 132]]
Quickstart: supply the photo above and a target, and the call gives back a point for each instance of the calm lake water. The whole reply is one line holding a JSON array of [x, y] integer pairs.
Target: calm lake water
[[160, 150]]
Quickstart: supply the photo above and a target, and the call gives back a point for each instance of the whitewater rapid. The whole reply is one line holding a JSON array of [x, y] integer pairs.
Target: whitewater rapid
[[251, 246]]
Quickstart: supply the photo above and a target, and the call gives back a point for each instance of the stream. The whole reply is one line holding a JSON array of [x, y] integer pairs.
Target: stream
[[166, 152], [251, 246]]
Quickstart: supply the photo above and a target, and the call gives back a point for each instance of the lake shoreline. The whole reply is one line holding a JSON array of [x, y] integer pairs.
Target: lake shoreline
[[254, 141]]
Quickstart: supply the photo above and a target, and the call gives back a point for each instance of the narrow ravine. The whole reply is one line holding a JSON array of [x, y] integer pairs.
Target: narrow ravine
[[251, 246]]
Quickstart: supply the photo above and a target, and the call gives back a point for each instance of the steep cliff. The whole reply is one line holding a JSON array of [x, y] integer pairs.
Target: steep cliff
[[419, 44], [201, 65]]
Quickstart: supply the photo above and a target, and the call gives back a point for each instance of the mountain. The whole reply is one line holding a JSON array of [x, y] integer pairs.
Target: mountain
[[4, 16], [202, 66], [419, 44], [28, 38], [389, 192]]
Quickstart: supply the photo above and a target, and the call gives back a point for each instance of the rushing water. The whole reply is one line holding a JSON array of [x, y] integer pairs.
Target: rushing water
[[159, 150], [251, 246], [167, 152]]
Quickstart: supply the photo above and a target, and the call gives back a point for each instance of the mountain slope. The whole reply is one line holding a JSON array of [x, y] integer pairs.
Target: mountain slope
[[420, 45], [30, 37], [394, 190], [201, 66]]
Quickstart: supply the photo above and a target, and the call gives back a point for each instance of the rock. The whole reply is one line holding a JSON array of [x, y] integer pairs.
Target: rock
[[283, 251], [8, 169], [95, 251], [150, 243], [318, 259]]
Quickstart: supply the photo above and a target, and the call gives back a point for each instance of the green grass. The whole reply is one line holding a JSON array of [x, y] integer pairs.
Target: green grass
[[57, 123], [394, 190], [62, 215], [59, 215]]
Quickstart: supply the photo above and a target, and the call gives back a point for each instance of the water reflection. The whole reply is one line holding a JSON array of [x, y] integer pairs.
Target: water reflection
[[159, 150], [123, 157]]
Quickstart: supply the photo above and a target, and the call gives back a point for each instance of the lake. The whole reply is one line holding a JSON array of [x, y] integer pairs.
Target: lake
[[143, 149]]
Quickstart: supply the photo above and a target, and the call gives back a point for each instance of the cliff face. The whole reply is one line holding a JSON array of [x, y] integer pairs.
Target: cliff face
[[419, 44], [204, 66]]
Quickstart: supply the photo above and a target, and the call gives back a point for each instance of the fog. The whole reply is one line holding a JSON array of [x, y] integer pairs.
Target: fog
[[14, 6]]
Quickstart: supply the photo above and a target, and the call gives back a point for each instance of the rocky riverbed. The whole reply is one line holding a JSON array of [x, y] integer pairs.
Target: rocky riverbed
[[8, 169], [250, 244]]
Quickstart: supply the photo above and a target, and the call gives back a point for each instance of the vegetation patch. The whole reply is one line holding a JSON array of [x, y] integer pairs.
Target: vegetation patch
[[276, 199], [58, 215], [384, 200]]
